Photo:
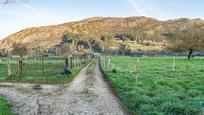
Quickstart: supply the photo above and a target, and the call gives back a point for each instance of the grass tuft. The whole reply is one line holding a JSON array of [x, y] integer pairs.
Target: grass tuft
[[4, 107]]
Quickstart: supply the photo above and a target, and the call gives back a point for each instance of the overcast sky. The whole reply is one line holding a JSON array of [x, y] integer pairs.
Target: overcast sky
[[17, 16]]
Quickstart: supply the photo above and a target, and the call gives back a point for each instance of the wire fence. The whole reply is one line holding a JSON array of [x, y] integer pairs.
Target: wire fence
[[43, 67], [39, 67]]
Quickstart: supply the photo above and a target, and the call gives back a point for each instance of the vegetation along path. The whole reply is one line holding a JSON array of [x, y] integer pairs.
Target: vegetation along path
[[88, 95]]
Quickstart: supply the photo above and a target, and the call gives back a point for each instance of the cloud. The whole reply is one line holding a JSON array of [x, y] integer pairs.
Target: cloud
[[137, 8], [150, 8], [32, 9], [42, 16]]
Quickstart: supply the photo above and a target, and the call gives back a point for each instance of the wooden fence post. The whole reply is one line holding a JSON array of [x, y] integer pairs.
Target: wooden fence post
[[20, 68], [9, 70], [109, 63], [71, 62], [66, 62], [174, 63], [104, 62], [9, 66], [136, 67], [80, 60], [84, 59], [42, 66], [76, 62]]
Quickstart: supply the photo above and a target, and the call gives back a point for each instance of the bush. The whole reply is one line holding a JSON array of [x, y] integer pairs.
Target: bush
[[114, 71]]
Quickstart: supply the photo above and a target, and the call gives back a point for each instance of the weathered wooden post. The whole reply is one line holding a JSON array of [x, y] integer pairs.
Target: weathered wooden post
[[136, 69], [80, 60], [42, 65], [76, 61], [66, 62], [109, 63], [104, 61], [71, 62], [20, 68], [84, 59], [9, 65], [174, 63], [9, 70]]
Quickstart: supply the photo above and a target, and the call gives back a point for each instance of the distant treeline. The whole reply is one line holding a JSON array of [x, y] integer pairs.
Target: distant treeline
[[152, 53]]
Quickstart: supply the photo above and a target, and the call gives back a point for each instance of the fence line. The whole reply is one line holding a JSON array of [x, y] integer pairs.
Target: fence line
[[39, 67]]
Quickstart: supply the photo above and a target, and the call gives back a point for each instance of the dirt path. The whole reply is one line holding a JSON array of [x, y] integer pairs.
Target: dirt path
[[84, 96]]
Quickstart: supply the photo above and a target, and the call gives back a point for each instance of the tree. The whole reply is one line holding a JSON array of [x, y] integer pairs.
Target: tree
[[65, 40], [191, 39], [96, 45], [103, 38], [19, 49], [83, 43], [3, 53], [38, 51], [124, 49], [124, 36]]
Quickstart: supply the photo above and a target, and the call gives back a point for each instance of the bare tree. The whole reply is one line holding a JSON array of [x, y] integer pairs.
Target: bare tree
[[19, 49], [191, 39], [65, 45]]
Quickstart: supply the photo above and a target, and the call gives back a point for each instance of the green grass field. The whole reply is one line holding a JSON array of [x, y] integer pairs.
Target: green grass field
[[154, 88], [4, 107], [34, 72]]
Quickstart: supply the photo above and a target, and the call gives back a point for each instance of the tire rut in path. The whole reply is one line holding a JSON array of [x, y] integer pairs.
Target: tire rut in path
[[106, 98]]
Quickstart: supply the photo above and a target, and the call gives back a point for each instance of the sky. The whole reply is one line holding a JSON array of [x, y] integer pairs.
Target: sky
[[17, 16]]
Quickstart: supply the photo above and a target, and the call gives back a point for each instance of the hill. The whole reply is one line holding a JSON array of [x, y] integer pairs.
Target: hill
[[110, 33]]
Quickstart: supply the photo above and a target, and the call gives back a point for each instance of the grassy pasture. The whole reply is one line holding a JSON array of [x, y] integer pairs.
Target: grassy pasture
[[154, 88], [36, 72]]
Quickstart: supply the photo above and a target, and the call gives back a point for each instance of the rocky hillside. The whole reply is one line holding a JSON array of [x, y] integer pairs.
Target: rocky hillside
[[136, 32]]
